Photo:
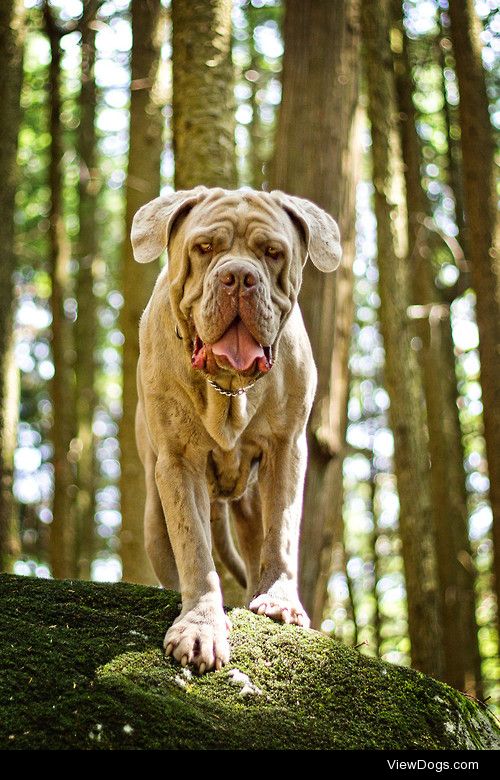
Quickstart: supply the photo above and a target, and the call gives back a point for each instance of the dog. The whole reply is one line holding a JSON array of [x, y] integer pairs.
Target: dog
[[226, 381]]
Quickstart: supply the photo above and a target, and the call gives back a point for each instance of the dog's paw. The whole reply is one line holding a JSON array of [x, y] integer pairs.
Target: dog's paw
[[285, 610], [199, 636]]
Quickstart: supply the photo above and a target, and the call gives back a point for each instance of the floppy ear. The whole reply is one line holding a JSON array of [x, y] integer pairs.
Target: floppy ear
[[321, 230], [152, 224]]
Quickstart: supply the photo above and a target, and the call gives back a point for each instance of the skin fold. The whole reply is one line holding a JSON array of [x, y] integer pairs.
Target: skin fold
[[226, 298]]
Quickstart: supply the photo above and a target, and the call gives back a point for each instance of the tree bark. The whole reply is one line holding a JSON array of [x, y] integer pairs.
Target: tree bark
[[203, 121], [143, 184], [12, 33], [377, 616], [86, 323], [10, 541], [401, 372], [62, 537], [255, 130], [482, 227], [453, 165], [312, 156], [437, 364], [451, 119], [203, 96]]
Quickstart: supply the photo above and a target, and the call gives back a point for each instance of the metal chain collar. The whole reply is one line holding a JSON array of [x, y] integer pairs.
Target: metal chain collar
[[229, 393]]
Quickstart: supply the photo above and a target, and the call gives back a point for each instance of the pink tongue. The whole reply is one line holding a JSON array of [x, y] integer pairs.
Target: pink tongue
[[238, 346]]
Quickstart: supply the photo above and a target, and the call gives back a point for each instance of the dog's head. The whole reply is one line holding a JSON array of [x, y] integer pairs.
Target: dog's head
[[235, 268]]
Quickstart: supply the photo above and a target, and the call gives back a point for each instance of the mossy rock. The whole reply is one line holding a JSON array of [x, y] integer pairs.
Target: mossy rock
[[82, 667]]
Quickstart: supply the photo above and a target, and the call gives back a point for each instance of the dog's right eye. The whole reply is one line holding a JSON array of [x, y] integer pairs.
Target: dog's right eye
[[273, 252], [205, 248]]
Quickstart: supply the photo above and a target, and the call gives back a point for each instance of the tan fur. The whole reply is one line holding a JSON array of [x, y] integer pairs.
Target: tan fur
[[202, 450]]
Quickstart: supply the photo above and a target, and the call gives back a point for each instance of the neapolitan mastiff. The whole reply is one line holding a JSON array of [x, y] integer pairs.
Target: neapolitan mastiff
[[226, 382]]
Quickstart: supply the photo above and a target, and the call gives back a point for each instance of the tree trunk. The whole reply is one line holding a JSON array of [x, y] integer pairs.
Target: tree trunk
[[203, 97], [255, 130], [451, 120], [401, 372], [437, 364], [62, 537], [12, 33], [453, 165], [143, 184], [377, 616], [482, 227], [10, 542], [86, 323], [203, 120], [314, 159]]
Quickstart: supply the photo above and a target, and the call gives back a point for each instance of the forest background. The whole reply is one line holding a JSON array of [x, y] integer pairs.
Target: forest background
[[383, 114]]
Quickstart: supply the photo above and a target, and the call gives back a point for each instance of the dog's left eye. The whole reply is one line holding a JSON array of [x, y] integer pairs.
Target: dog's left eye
[[205, 248], [273, 251]]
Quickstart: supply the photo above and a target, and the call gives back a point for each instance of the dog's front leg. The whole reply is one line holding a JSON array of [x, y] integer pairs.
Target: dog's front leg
[[200, 634], [281, 485]]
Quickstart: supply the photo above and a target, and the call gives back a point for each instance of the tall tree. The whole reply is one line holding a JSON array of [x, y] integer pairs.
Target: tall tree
[[143, 184], [406, 412], [377, 616], [451, 119], [12, 33], [62, 537], [204, 124], [203, 97], [86, 323], [255, 161], [437, 362], [482, 229], [315, 158]]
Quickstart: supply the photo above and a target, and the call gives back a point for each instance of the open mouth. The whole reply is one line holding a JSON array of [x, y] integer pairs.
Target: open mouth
[[236, 349]]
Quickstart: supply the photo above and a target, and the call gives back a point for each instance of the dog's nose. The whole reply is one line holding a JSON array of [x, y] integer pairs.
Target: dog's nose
[[238, 277]]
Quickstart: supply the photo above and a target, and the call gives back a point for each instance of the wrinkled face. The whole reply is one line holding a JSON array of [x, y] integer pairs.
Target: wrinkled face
[[235, 270]]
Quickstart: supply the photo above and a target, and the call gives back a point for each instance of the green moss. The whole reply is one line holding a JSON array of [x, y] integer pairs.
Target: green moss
[[82, 667]]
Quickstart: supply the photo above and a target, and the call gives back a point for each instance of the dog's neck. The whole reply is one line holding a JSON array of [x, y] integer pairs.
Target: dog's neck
[[226, 417]]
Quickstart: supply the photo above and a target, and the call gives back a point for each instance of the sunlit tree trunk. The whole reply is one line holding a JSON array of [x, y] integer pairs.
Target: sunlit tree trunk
[[314, 158], [482, 227], [255, 161], [377, 616], [12, 33], [437, 363], [10, 543], [258, 153], [450, 113], [143, 184], [203, 98], [407, 412], [203, 120], [453, 173], [62, 537], [86, 324]]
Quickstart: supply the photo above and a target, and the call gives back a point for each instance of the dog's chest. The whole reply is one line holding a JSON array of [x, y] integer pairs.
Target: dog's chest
[[230, 472]]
